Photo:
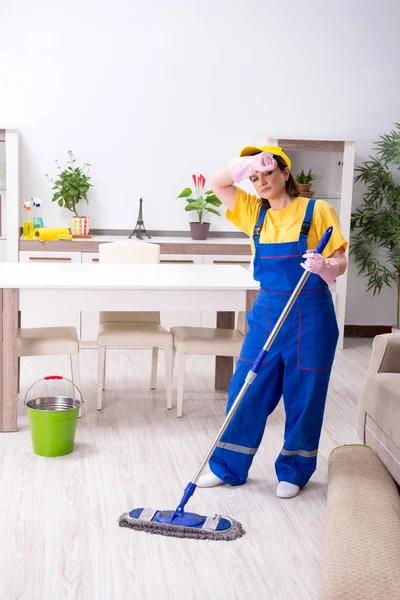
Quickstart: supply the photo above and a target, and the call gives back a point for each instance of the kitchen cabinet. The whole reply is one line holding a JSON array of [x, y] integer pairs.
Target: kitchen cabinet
[[9, 194]]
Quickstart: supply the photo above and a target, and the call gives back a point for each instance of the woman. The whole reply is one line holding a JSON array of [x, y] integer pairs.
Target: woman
[[281, 226]]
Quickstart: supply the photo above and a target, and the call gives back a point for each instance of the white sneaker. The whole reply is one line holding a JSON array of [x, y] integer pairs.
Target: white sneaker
[[287, 490], [209, 480]]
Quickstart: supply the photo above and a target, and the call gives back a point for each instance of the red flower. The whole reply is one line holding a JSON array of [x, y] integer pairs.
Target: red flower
[[194, 179]]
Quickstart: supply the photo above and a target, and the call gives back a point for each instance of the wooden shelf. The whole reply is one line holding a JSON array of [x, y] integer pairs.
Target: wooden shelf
[[342, 199], [311, 145]]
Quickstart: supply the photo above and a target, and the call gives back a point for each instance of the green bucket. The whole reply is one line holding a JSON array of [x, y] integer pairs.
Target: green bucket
[[53, 421]]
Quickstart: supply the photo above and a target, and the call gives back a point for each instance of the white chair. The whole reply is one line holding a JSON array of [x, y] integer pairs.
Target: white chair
[[205, 341], [133, 329], [52, 341]]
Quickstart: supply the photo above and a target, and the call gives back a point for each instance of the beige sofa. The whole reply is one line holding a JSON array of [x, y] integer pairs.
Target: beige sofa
[[361, 555], [379, 407]]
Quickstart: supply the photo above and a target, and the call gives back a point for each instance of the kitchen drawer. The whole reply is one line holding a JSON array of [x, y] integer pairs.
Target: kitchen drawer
[[39, 256], [244, 260], [52, 318], [90, 257]]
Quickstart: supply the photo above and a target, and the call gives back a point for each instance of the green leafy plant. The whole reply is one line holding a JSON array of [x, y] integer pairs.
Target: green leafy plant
[[205, 202], [71, 185], [303, 178], [376, 223]]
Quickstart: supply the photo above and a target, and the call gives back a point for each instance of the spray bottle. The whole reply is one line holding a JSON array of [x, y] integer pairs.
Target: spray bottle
[[28, 225], [37, 219]]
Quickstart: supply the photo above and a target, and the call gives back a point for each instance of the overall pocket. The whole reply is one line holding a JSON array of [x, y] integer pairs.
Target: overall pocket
[[317, 337], [258, 320]]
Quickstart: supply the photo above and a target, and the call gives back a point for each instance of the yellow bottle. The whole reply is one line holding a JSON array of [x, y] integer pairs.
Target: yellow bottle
[[27, 228]]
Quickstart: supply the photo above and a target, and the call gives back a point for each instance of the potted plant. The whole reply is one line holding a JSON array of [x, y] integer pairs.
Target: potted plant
[[72, 185], [202, 204], [304, 181], [376, 223]]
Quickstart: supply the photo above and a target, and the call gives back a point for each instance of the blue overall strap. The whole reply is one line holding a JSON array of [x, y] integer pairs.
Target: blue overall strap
[[305, 228], [260, 222]]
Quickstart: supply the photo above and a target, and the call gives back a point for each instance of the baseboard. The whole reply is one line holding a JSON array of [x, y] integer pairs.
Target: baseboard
[[368, 331]]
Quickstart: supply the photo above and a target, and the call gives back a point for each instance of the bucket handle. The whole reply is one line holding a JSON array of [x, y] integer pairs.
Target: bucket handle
[[59, 377]]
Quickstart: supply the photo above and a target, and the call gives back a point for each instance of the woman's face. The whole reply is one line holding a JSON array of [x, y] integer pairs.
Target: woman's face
[[270, 184]]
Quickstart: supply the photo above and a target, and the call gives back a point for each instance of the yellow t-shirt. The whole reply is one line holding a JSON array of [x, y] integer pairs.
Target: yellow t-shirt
[[284, 225]]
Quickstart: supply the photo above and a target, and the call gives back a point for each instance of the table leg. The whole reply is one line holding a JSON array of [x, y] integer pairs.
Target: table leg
[[9, 360], [224, 364], [251, 296], [19, 359]]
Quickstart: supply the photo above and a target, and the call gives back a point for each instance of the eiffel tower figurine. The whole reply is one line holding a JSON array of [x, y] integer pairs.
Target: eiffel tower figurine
[[140, 228]]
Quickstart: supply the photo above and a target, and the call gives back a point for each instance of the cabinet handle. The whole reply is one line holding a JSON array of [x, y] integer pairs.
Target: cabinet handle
[[51, 258], [177, 262], [231, 262], [95, 260]]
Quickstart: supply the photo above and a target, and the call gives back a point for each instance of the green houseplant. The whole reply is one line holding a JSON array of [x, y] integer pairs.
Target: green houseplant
[[304, 181], [202, 204], [70, 186], [376, 223]]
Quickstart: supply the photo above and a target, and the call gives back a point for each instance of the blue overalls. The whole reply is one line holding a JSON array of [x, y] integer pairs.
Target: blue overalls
[[298, 365]]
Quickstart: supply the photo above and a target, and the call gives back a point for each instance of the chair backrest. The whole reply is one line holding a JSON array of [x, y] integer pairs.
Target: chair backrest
[[127, 253]]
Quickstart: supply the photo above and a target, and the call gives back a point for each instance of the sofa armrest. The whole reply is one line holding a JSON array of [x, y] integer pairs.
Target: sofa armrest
[[385, 354], [385, 359], [361, 553]]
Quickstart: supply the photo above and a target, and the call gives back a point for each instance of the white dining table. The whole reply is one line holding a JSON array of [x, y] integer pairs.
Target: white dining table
[[225, 289]]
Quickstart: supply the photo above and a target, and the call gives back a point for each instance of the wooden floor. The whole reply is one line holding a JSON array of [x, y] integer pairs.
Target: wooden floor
[[58, 517]]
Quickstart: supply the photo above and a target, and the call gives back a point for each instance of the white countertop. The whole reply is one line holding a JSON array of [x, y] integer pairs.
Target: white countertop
[[104, 276]]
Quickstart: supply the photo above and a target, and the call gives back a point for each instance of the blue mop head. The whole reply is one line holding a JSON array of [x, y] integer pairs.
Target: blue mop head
[[182, 525]]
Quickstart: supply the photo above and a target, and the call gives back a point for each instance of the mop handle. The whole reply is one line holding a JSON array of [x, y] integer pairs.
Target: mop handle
[[252, 374]]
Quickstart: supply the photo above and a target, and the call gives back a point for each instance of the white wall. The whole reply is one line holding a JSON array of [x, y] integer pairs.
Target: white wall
[[3, 197], [151, 92]]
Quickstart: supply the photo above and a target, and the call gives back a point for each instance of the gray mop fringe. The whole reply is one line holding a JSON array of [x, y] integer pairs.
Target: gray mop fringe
[[235, 531]]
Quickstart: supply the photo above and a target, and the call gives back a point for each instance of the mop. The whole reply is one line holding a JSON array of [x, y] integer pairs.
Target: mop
[[181, 524]]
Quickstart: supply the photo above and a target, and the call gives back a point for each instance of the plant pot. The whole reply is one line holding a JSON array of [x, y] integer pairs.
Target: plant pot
[[80, 225], [199, 231], [304, 188]]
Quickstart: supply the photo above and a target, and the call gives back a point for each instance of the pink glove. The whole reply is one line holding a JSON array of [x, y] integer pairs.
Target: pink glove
[[326, 268], [244, 167]]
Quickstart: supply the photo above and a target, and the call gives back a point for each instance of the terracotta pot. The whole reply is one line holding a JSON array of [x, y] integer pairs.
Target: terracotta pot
[[199, 231], [304, 188]]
